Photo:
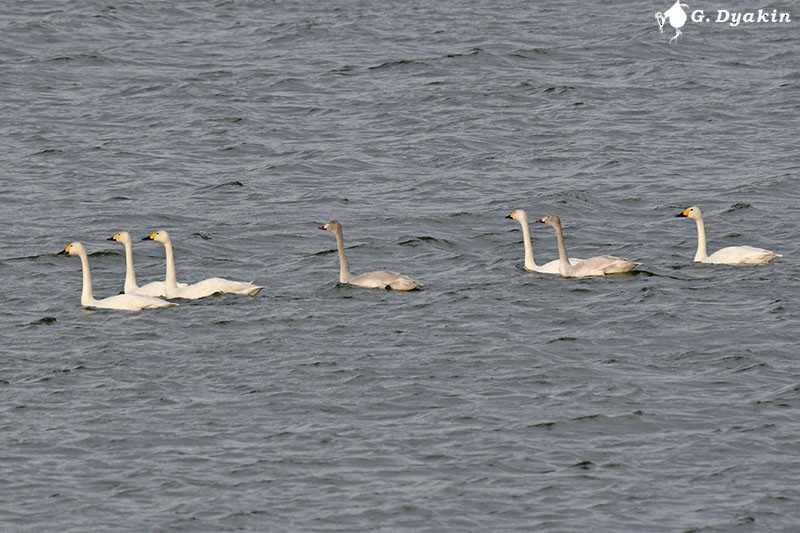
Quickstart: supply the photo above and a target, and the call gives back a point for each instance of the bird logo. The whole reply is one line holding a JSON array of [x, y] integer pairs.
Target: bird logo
[[676, 17]]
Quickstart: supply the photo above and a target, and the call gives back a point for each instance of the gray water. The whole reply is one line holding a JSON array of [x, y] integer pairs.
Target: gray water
[[491, 400]]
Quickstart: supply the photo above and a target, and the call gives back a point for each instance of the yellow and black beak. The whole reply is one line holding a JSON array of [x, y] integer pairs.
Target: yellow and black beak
[[150, 237], [65, 251], [684, 213], [510, 215], [113, 237]]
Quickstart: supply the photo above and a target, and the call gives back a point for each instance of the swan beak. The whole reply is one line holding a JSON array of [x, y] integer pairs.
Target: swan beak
[[511, 216], [540, 220], [150, 237], [113, 237], [324, 227], [65, 251], [681, 214]]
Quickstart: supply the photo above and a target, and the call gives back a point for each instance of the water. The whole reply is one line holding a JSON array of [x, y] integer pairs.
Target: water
[[494, 399]]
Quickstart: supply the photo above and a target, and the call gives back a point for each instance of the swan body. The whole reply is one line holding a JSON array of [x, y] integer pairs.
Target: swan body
[[602, 265], [380, 279], [530, 265], [155, 288], [123, 302], [732, 255], [201, 289]]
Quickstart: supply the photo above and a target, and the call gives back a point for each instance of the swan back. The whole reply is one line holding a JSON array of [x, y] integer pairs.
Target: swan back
[[131, 302], [211, 286], [602, 265], [383, 279], [741, 255]]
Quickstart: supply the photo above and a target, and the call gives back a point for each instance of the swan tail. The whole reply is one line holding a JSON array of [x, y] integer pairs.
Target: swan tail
[[252, 291], [405, 285], [620, 266]]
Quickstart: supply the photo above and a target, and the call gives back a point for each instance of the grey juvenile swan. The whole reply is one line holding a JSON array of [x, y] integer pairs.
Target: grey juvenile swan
[[380, 279], [594, 266]]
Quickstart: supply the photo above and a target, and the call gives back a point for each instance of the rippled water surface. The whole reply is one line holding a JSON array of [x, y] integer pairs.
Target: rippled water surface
[[491, 400]]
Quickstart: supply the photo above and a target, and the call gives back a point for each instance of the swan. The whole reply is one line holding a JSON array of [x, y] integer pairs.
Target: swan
[[124, 302], [594, 266], [201, 289], [380, 279], [732, 255], [155, 288], [530, 265]]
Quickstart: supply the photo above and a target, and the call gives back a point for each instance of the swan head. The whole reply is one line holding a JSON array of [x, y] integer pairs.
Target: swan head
[[73, 248], [691, 212], [553, 220], [519, 215], [122, 237], [333, 225], [159, 236]]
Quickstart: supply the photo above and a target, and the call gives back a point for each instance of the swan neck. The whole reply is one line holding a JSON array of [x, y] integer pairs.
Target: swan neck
[[530, 264], [87, 299], [563, 257], [171, 280], [130, 273], [701, 241], [344, 269]]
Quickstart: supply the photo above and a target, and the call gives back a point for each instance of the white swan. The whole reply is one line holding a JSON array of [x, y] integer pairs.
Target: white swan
[[155, 288], [732, 255], [201, 289], [124, 302], [594, 266], [380, 279], [530, 265]]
